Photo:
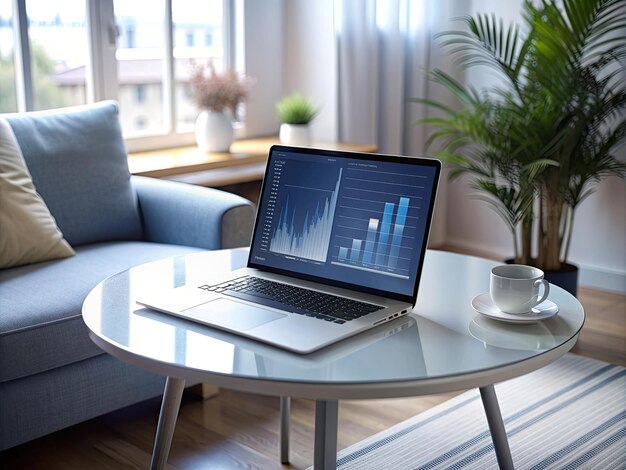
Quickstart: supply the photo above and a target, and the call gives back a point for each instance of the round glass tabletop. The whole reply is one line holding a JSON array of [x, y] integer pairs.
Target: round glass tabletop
[[443, 345]]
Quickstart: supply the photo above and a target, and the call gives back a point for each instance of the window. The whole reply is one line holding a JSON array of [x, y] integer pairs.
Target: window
[[141, 64], [8, 99], [126, 32], [141, 52], [140, 94], [56, 56], [141, 122], [191, 18]]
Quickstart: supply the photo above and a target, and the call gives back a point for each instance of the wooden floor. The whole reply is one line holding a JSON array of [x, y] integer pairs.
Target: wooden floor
[[240, 430]]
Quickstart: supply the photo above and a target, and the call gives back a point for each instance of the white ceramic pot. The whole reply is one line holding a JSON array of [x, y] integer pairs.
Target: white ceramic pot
[[294, 134], [214, 131]]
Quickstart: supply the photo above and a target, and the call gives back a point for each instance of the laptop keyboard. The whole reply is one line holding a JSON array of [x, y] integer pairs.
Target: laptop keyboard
[[307, 302]]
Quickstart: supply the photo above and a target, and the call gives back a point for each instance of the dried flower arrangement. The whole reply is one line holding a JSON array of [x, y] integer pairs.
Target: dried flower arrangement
[[217, 91]]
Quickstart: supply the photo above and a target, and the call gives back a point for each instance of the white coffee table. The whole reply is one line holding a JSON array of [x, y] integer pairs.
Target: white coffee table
[[442, 346]]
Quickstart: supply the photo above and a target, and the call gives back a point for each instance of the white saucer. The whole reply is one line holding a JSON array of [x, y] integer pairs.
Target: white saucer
[[484, 305]]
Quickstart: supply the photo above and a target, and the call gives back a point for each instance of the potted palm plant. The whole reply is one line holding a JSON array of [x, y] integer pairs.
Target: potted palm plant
[[537, 146], [295, 113]]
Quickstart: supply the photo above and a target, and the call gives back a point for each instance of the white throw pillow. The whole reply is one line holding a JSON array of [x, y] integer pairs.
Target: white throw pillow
[[28, 232]]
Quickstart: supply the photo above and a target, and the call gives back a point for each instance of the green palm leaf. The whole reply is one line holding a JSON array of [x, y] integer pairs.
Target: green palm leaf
[[550, 134]]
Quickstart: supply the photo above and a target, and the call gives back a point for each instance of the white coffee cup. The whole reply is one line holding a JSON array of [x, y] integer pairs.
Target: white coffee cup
[[514, 288]]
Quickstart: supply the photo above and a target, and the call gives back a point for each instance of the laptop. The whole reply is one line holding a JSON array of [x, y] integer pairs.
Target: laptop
[[337, 248]]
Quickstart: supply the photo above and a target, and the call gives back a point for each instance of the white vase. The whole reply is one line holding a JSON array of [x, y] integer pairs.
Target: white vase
[[214, 131], [294, 134]]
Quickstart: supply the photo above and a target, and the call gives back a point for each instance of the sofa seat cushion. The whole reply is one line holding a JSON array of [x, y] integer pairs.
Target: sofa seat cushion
[[41, 326]]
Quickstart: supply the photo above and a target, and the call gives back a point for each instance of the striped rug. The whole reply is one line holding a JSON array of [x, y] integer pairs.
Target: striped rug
[[570, 414]]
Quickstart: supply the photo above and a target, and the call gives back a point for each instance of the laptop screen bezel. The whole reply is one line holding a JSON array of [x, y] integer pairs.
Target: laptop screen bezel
[[363, 156]]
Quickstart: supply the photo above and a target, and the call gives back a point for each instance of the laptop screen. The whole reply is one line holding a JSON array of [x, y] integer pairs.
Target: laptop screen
[[354, 220]]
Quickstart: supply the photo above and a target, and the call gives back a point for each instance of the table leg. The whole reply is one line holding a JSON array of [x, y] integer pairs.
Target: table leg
[[285, 409], [496, 427], [167, 422], [325, 453]]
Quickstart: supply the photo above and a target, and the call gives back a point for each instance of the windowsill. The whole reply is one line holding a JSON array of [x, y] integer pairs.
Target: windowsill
[[245, 163]]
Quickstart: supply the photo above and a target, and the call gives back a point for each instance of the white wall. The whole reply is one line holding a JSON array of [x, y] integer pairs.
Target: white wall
[[263, 60], [290, 47], [599, 239], [310, 59]]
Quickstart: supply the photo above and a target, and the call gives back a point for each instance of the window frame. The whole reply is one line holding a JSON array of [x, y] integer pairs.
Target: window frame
[[101, 68]]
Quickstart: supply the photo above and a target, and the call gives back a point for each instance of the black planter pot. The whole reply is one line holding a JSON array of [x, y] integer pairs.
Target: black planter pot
[[567, 278]]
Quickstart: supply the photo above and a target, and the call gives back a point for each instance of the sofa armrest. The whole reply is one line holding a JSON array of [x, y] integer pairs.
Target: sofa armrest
[[184, 214]]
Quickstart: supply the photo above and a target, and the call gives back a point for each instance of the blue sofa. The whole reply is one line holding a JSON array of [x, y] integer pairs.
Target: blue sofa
[[51, 374]]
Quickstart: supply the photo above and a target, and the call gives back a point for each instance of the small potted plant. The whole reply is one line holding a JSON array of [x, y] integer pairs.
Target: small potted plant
[[295, 113], [217, 95], [536, 146]]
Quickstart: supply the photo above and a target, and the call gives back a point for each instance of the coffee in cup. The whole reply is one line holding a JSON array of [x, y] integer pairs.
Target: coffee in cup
[[514, 288]]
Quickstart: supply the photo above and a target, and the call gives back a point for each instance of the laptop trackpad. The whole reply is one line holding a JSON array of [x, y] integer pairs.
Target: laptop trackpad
[[232, 314]]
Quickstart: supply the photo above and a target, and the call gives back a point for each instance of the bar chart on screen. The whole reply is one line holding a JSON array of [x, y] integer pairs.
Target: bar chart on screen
[[377, 219]]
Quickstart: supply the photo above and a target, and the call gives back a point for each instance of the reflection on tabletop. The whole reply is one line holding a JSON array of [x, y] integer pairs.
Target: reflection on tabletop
[[527, 337]]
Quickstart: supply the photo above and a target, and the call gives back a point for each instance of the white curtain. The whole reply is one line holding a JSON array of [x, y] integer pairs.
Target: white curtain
[[384, 48]]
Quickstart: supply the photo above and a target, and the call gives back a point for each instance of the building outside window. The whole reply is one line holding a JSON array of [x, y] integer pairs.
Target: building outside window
[[141, 122], [126, 30], [140, 93]]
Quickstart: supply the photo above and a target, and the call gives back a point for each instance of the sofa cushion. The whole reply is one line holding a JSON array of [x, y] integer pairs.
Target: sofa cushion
[[78, 162], [41, 326], [29, 233]]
